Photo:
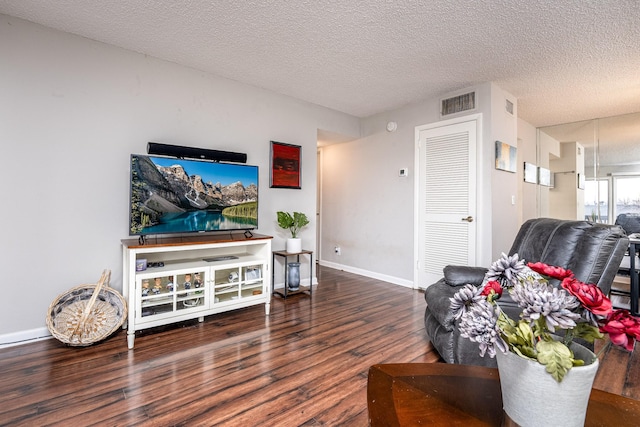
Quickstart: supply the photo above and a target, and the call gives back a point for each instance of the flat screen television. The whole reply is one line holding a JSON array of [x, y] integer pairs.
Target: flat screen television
[[170, 195]]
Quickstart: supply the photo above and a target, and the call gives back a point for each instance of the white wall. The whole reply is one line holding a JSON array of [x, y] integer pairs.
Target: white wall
[[548, 150], [566, 200], [72, 111], [368, 209], [502, 126], [527, 149]]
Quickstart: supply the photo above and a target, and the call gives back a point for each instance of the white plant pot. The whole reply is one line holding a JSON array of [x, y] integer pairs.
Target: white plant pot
[[531, 397], [294, 245]]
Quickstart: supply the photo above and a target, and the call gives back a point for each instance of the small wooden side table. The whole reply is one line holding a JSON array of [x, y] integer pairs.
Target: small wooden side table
[[284, 254]]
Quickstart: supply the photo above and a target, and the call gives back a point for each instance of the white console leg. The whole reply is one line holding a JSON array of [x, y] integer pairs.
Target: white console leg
[[131, 337]]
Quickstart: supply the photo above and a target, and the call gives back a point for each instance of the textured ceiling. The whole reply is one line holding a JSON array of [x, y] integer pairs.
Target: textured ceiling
[[564, 60]]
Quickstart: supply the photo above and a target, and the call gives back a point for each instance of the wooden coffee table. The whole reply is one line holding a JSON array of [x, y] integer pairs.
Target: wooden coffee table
[[413, 394]]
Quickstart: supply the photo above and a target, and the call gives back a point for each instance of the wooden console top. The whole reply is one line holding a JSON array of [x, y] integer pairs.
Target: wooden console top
[[152, 242]]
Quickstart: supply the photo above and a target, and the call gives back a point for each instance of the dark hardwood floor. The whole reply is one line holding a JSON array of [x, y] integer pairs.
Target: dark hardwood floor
[[304, 365]]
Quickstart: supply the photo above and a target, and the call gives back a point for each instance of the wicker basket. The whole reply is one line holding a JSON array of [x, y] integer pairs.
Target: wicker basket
[[87, 314]]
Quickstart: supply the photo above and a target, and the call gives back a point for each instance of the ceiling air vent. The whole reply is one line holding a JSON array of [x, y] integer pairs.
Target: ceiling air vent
[[458, 104], [509, 107]]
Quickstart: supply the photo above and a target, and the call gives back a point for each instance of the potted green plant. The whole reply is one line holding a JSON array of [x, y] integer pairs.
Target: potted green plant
[[294, 223]]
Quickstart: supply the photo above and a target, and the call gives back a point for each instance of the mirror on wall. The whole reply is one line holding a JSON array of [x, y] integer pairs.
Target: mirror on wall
[[595, 166]]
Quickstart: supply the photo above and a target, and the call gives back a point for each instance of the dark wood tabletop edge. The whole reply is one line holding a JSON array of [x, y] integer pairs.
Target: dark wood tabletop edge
[[405, 371], [436, 369]]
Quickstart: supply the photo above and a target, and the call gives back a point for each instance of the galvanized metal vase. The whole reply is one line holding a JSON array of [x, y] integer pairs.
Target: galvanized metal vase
[[531, 397], [293, 279]]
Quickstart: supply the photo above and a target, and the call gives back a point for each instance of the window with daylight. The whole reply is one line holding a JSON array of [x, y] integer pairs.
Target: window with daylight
[[596, 200]]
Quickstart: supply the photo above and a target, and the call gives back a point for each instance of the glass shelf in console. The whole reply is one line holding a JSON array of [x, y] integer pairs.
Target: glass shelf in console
[[161, 293], [253, 281], [234, 283]]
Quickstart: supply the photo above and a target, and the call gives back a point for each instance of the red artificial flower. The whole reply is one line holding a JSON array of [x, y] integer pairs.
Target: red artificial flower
[[623, 328], [494, 286], [590, 296], [549, 270]]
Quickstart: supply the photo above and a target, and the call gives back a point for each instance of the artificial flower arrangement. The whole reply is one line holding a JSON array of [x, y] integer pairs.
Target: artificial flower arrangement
[[580, 310]]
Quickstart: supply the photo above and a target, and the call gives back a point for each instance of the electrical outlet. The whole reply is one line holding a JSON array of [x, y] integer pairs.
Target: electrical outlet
[[337, 250]]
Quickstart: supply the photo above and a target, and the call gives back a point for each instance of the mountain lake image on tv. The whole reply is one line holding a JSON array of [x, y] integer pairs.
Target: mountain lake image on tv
[[171, 195]]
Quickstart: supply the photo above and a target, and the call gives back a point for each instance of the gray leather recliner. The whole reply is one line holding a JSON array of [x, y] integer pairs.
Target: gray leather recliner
[[592, 251]]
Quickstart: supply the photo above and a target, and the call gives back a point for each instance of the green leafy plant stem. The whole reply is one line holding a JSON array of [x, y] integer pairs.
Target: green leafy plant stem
[[293, 223]]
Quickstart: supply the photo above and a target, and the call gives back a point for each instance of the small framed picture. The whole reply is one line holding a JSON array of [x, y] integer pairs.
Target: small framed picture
[[530, 173], [506, 157], [285, 165], [544, 177]]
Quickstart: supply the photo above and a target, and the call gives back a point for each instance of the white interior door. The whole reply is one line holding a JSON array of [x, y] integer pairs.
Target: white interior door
[[446, 197]]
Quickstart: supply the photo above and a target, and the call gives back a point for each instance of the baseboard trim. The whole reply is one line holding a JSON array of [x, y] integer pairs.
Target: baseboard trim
[[23, 337], [366, 273]]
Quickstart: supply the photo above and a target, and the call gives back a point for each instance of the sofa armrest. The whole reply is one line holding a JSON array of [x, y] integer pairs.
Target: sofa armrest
[[458, 275]]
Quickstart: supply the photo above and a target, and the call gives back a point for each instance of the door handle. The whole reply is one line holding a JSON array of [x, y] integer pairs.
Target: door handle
[[468, 219]]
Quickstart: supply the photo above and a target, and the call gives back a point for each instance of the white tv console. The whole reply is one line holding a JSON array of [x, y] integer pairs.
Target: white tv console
[[193, 277]]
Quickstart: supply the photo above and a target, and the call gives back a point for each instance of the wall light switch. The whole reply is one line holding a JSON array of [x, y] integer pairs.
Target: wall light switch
[[513, 200], [404, 172]]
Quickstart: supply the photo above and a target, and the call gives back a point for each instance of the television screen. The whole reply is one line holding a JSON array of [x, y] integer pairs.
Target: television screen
[[171, 195]]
